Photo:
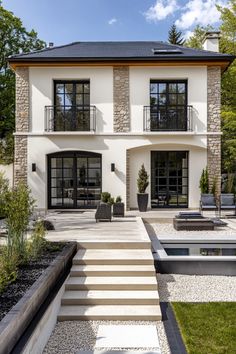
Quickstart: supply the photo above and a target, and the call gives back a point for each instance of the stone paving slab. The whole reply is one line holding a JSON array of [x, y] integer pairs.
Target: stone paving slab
[[127, 336], [119, 352]]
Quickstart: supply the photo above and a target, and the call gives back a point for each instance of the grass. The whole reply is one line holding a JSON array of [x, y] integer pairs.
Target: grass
[[207, 328]]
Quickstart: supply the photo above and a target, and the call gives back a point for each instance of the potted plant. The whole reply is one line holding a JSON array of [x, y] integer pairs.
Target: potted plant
[[119, 207], [142, 183]]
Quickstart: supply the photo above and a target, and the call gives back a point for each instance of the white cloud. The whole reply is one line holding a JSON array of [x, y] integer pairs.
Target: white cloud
[[112, 21], [160, 10], [199, 12], [187, 34]]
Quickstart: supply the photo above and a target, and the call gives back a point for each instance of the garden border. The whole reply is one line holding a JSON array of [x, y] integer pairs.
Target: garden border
[[16, 321]]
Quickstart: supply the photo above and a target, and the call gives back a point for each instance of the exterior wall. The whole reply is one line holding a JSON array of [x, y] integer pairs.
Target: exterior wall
[[22, 124], [140, 92], [214, 125], [121, 99], [113, 182], [101, 93]]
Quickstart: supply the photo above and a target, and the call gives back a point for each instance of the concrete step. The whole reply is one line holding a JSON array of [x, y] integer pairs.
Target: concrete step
[[112, 270], [110, 312], [113, 256], [105, 297], [111, 244], [111, 283]]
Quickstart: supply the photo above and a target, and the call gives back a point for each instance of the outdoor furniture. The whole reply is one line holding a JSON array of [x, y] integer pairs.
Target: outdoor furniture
[[208, 202], [119, 209], [227, 202], [103, 212], [193, 224]]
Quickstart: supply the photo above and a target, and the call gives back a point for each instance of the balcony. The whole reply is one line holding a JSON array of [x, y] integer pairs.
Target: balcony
[[167, 118], [70, 118]]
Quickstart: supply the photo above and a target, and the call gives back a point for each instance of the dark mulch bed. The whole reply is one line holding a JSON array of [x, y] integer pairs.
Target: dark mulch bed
[[27, 275]]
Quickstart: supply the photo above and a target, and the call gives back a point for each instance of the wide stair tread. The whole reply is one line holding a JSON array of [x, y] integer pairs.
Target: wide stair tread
[[111, 283], [112, 270], [108, 297], [110, 312], [113, 256]]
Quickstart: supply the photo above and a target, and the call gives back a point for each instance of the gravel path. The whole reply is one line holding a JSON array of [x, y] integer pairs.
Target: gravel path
[[196, 288], [72, 336]]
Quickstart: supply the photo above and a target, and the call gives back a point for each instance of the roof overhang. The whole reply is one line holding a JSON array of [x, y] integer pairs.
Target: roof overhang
[[35, 62]]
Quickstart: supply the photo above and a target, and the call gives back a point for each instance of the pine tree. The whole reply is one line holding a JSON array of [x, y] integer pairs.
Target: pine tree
[[175, 36]]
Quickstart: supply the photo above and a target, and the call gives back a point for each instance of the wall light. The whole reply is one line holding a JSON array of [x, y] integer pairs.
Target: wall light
[[33, 167], [113, 167]]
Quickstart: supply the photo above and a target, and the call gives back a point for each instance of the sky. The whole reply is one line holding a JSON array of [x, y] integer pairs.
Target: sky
[[66, 21]]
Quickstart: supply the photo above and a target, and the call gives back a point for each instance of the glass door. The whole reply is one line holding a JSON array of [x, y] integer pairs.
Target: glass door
[[169, 179], [74, 180]]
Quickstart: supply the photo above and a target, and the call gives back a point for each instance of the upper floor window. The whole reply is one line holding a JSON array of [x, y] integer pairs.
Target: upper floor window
[[71, 110], [168, 108]]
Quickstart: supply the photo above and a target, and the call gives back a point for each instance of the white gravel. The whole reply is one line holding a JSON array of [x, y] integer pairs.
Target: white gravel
[[165, 229], [69, 337], [196, 288]]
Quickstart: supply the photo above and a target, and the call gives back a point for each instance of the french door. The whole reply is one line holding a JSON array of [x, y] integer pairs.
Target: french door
[[74, 180], [169, 179]]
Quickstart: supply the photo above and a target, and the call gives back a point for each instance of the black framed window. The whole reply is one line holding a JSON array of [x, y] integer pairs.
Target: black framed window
[[168, 105], [72, 105]]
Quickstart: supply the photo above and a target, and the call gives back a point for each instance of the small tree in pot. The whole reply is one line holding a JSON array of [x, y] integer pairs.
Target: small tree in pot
[[142, 183]]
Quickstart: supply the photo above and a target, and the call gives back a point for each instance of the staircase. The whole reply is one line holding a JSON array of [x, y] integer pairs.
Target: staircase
[[111, 281]]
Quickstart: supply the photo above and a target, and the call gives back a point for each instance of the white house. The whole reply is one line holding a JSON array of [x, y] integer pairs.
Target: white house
[[88, 114]]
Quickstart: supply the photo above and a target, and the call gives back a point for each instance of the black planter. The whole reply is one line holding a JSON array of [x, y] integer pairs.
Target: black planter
[[142, 201], [119, 209]]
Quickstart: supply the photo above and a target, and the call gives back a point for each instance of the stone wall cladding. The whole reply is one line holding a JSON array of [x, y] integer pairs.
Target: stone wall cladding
[[214, 125], [127, 180], [22, 125], [121, 99]]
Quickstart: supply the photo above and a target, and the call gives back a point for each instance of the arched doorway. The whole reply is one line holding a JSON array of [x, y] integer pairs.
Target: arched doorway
[[74, 179]]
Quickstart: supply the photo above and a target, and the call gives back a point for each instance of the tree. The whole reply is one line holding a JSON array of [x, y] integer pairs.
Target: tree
[[175, 36], [142, 180], [14, 39], [228, 82]]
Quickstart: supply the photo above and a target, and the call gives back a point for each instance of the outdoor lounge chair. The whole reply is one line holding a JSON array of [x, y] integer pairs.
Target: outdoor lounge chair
[[208, 202], [227, 202], [103, 212]]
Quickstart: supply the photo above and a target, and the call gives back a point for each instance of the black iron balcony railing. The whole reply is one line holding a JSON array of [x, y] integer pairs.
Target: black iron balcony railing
[[167, 118], [70, 118]]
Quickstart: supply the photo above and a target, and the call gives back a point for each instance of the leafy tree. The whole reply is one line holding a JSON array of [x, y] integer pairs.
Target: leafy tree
[[14, 39], [228, 82], [175, 36]]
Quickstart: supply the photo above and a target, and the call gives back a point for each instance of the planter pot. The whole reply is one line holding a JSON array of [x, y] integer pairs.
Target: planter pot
[[119, 209], [142, 201]]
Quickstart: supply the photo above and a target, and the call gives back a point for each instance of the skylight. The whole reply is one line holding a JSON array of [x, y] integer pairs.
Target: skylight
[[166, 51]]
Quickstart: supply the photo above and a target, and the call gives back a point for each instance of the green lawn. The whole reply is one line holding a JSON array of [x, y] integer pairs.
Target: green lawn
[[207, 328]]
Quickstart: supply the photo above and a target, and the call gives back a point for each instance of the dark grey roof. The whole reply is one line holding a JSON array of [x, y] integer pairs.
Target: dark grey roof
[[93, 51]]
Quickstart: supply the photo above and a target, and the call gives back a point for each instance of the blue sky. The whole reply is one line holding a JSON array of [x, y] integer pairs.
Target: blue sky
[[64, 21]]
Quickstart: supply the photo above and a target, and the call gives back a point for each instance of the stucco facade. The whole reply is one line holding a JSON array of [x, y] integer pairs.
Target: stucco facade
[[129, 147]]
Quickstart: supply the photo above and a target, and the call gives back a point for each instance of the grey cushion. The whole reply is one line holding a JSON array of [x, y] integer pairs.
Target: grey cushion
[[208, 200], [227, 200]]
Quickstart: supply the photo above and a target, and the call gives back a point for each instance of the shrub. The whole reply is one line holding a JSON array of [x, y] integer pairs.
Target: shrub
[[105, 197], [118, 199], [142, 181], [8, 269], [203, 184], [111, 201], [48, 225], [18, 209], [37, 242], [4, 186]]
